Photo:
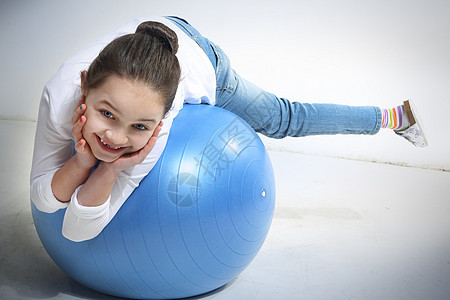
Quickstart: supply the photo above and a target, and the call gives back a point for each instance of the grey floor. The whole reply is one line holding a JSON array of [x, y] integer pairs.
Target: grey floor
[[342, 230]]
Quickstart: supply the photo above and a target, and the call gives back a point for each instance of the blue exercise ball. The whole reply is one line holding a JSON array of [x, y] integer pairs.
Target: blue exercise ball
[[194, 223]]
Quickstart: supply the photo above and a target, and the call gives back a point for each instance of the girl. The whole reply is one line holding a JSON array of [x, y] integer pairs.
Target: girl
[[133, 82]]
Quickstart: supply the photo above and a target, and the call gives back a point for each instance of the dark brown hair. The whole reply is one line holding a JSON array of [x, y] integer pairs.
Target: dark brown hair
[[147, 56]]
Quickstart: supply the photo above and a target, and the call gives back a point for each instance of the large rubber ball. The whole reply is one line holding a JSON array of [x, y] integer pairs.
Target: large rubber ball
[[195, 222]]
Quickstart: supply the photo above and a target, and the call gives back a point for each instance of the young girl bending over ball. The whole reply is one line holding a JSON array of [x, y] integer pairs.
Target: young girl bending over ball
[[114, 102]]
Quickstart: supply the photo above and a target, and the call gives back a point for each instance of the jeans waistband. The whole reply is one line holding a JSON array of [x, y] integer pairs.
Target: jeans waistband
[[203, 42]]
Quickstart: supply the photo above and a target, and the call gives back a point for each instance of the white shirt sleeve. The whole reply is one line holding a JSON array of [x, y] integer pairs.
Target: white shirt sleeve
[[51, 151]]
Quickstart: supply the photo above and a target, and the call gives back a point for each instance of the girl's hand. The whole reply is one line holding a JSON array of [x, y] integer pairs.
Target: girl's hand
[[83, 152], [129, 160]]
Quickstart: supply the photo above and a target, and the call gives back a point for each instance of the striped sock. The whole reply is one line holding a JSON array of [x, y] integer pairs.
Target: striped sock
[[395, 118]]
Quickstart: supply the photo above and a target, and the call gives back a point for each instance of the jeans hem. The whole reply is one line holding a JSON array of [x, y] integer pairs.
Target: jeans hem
[[378, 123]]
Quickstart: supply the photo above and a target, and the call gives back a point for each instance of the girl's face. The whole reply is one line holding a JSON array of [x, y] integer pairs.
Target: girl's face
[[121, 117]]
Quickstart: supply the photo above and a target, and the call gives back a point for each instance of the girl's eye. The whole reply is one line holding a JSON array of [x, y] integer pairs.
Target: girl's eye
[[140, 127], [107, 114]]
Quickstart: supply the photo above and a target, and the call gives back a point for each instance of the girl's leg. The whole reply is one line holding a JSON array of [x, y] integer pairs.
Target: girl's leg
[[278, 117]]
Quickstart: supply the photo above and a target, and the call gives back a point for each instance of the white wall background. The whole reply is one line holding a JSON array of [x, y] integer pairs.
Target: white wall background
[[355, 52]]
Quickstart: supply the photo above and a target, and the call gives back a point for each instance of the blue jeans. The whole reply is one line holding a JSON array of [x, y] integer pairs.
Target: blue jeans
[[278, 117]]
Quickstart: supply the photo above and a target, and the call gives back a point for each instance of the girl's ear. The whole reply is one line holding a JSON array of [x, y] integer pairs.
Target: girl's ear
[[83, 76]]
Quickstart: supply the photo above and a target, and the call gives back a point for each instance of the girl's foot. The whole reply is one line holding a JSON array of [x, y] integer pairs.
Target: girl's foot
[[403, 120]]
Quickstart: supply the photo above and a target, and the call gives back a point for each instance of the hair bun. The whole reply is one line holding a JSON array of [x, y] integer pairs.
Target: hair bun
[[160, 31]]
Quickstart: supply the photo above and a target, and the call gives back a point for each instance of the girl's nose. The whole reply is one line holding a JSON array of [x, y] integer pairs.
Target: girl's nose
[[116, 136]]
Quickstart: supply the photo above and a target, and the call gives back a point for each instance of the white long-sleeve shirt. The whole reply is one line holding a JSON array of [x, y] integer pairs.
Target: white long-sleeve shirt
[[53, 140]]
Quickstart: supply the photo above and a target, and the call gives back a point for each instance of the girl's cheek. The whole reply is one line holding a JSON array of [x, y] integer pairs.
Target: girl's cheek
[[92, 122], [140, 142], [86, 127], [92, 126]]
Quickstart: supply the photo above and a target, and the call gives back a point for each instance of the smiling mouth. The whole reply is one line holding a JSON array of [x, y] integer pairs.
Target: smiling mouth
[[107, 146]]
